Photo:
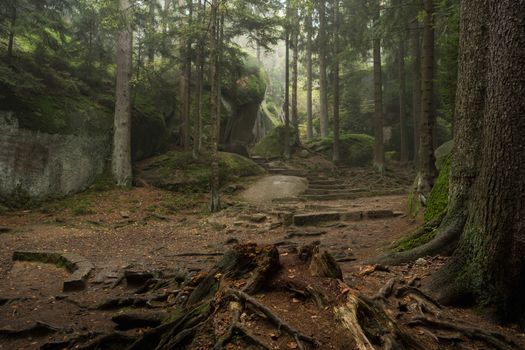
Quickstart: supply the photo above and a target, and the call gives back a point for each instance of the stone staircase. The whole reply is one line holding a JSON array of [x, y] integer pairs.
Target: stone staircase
[[323, 185]]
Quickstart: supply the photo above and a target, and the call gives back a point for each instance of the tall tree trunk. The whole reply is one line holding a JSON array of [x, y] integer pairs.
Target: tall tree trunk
[[11, 39], [151, 31], [403, 154], [214, 106], [323, 83], [309, 78], [295, 60], [336, 156], [287, 151], [184, 86], [379, 154], [427, 168], [197, 135], [121, 160], [489, 263], [416, 86]]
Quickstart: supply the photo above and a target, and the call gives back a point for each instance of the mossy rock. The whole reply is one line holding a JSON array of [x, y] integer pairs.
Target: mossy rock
[[272, 145], [251, 86], [442, 152], [438, 197], [355, 149], [179, 171]]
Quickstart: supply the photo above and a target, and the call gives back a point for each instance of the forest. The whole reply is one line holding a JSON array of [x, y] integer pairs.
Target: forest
[[262, 174]]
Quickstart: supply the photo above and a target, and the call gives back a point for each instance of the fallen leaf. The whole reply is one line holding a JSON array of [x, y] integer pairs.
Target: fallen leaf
[[292, 345]]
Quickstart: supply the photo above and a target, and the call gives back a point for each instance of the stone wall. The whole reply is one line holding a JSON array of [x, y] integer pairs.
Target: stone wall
[[40, 164]]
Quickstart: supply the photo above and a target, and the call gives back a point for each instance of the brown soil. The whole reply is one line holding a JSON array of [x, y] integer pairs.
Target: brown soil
[[145, 228]]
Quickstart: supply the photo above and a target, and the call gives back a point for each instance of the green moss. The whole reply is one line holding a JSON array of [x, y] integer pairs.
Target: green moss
[[355, 149], [180, 201], [415, 240], [438, 198], [179, 171]]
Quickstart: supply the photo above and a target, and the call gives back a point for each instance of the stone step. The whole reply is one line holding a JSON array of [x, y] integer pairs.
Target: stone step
[[334, 196], [328, 187], [289, 172], [326, 182], [353, 195], [341, 191], [311, 219]]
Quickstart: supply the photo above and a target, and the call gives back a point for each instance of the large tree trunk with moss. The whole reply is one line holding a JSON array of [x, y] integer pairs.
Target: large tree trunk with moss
[[121, 160], [489, 263], [323, 82], [416, 85], [467, 130], [427, 168], [379, 154], [309, 78], [336, 154]]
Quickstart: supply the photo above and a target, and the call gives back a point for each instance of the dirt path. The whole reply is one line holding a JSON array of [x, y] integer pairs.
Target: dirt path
[[146, 229]]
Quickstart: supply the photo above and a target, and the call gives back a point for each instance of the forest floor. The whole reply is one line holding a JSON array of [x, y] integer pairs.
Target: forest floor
[[145, 229]]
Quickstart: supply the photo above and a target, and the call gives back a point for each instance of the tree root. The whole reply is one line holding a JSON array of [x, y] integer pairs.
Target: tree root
[[370, 326], [281, 324], [36, 330], [444, 243], [494, 340]]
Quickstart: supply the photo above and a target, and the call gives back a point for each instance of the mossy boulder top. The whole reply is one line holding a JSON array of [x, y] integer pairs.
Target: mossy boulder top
[[355, 149], [179, 171], [245, 94]]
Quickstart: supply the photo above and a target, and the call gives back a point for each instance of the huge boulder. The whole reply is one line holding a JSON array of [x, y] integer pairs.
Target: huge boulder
[[245, 95]]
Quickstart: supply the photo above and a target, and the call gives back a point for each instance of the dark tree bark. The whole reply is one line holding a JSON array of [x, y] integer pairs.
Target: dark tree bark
[[416, 85], [336, 154], [379, 154], [309, 117], [427, 167], [489, 263], [121, 159], [403, 152], [323, 83]]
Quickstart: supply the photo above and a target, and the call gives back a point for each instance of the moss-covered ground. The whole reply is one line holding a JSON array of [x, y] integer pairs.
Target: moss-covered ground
[[180, 171]]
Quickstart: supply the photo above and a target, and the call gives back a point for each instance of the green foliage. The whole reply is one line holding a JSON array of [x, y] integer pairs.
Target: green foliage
[[438, 198]]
